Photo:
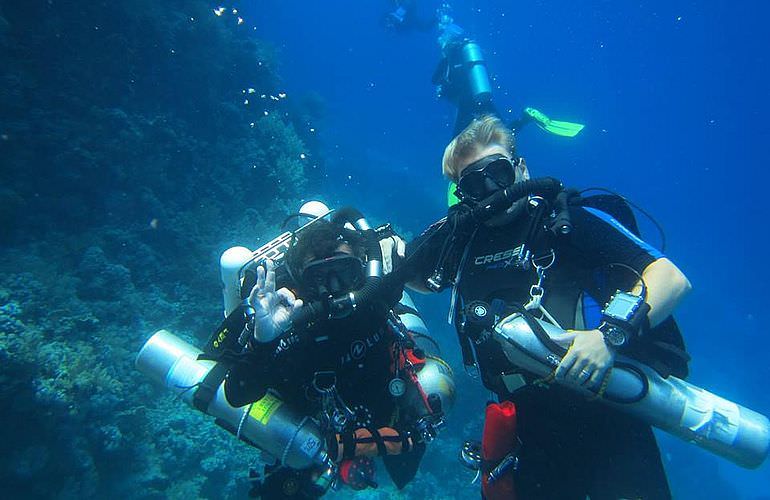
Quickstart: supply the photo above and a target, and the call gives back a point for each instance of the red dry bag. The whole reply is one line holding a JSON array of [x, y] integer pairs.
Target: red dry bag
[[499, 440]]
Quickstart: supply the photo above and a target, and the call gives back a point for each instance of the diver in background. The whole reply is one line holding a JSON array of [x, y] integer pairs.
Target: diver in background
[[461, 75], [358, 375]]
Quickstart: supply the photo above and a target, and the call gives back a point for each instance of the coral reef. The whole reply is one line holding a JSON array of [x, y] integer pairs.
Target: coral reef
[[129, 162], [136, 144]]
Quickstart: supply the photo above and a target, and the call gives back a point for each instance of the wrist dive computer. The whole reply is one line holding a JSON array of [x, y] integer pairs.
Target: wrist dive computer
[[622, 318]]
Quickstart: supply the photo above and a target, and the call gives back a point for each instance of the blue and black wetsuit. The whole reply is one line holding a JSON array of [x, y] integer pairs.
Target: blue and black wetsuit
[[571, 447]]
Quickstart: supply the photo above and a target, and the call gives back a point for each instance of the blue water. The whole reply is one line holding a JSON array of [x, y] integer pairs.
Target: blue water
[[674, 96], [128, 162]]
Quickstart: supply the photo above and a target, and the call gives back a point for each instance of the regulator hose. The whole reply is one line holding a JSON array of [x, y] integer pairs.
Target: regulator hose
[[548, 187], [310, 312]]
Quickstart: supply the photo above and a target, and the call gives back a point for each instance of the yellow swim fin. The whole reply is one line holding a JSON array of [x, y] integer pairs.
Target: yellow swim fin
[[556, 127]]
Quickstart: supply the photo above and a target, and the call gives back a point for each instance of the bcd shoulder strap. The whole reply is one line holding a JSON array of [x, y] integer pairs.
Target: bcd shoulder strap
[[225, 337]]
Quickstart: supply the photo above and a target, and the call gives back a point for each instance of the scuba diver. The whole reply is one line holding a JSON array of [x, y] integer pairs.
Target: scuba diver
[[322, 361], [565, 311], [461, 77], [555, 260]]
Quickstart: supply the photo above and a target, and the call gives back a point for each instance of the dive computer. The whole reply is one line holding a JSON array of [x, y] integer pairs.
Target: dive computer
[[622, 318]]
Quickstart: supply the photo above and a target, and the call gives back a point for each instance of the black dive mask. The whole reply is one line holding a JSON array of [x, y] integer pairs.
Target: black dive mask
[[340, 273], [486, 176]]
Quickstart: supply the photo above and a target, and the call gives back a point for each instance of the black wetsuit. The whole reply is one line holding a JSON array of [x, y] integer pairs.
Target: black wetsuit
[[359, 352], [571, 447]]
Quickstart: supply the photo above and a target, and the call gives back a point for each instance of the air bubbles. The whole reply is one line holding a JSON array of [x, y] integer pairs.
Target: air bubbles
[[220, 11], [302, 156]]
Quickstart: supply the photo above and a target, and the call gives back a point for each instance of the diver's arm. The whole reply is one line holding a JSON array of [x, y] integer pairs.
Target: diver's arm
[[589, 357], [422, 256], [609, 243], [666, 287], [394, 251]]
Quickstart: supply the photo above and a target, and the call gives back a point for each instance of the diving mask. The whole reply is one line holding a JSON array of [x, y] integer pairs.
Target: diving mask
[[485, 176], [339, 273]]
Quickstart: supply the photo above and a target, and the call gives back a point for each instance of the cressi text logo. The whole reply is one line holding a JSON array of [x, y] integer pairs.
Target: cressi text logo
[[507, 257]]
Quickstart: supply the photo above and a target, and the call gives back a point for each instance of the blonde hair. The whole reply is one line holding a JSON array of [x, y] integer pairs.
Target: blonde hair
[[483, 132]]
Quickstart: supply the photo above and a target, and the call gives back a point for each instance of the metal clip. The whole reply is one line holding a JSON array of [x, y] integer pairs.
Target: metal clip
[[335, 412], [523, 259], [510, 462], [537, 291]]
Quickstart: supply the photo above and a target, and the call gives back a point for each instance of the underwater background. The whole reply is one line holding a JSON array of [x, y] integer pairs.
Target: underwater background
[[139, 139]]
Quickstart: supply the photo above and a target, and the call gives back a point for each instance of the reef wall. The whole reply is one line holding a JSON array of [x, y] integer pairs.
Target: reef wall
[[138, 139]]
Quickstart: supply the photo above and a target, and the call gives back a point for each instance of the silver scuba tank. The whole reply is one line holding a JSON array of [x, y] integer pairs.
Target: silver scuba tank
[[693, 414], [435, 376], [295, 440]]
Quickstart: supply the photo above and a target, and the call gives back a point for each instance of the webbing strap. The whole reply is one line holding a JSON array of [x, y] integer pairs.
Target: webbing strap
[[539, 331], [406, 444], [209, 386], [348, 446], [381, 449]]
